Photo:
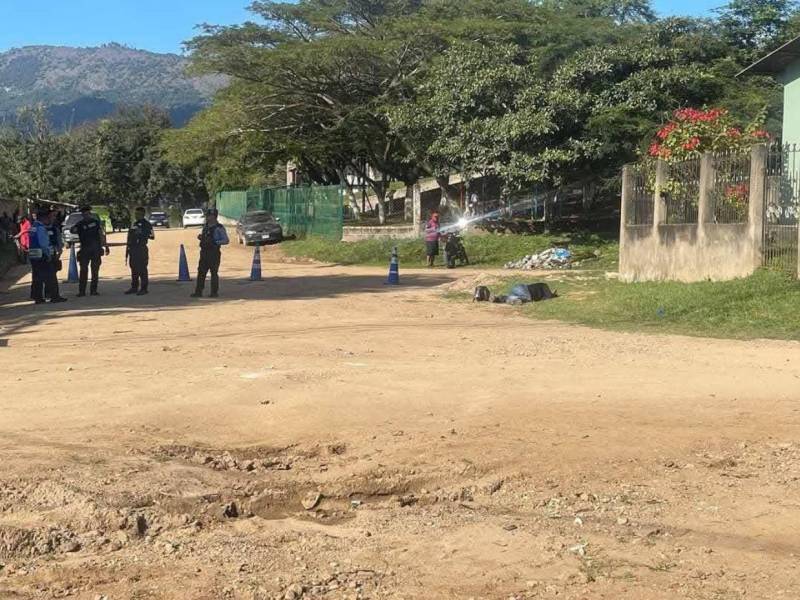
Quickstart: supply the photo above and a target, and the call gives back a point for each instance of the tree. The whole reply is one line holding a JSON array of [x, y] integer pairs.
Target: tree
[[753, 27]]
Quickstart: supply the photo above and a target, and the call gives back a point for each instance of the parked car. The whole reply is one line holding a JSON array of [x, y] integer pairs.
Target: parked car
[[259, 228], [70, 222], [159, 219], [194, 216]]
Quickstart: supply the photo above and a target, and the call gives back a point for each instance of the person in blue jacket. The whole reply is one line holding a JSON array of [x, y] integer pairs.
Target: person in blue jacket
[[212, 238], [42, 253]]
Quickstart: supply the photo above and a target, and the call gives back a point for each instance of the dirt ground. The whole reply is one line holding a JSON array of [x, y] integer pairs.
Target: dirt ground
[[321, 435]]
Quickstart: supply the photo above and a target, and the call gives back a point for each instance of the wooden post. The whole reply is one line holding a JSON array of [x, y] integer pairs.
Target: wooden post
[[758, 190], [659, 206]]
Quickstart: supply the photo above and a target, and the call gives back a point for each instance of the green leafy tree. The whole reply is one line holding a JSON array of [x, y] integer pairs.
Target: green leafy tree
[[753, 27]]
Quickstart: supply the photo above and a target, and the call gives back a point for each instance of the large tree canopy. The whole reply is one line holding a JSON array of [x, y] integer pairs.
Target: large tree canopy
[[551, 91]]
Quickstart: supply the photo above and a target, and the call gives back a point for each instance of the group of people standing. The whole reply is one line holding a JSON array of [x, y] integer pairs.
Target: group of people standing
[[40, 236]]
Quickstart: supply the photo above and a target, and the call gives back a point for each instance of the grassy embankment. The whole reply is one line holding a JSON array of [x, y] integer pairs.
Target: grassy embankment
[[595, 252], [764, 305]]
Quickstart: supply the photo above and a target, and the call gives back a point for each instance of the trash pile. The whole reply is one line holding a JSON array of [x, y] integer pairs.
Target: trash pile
[[553, 258]]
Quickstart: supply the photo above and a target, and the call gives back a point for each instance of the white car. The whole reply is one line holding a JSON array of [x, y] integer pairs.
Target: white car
[[194, 216]]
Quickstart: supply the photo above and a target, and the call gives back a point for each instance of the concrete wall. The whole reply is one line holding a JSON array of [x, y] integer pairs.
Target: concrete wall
[[356, 234], [696, 251]]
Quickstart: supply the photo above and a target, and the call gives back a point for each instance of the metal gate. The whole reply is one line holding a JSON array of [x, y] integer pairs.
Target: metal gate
[[781, 203]]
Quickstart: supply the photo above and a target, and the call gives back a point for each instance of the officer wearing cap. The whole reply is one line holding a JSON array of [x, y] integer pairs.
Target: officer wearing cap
[[212, 238], [136, 252], [92, 237]]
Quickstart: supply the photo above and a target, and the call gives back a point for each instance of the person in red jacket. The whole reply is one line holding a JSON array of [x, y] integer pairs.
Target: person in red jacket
[[432, 238], [24, 229]]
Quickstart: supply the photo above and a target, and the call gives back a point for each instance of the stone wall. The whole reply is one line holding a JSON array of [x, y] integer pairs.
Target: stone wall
[[699, 251]]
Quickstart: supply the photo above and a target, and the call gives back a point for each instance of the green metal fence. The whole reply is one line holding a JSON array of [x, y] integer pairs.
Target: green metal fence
[[314, 210]]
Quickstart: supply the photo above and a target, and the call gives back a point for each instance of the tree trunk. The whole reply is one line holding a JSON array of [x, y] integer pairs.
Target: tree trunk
[[449, 195], [589, 194], [379, 187], [408, 207]]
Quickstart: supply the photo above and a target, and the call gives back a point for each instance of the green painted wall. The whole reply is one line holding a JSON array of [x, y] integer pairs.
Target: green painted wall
[[791, 103]]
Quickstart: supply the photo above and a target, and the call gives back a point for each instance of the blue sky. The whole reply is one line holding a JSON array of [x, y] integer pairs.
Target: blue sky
[[158, 25]]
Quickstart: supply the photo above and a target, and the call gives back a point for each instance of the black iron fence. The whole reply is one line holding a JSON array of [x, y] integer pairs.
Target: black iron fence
[[781, 203], [730, 189], [682, 192], [640, 211]]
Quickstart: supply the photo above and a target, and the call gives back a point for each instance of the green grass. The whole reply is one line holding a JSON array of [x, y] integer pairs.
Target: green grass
[[483, 250], [764, 305]]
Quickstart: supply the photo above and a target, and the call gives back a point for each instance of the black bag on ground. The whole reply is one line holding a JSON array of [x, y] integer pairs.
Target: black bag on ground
[[541, 291], [482, 294]]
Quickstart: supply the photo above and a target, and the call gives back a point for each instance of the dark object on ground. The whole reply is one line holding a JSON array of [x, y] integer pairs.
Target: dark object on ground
[[454, 251], [541, 291], [499, 299], [482, 294], [259, 228], [533, 292]]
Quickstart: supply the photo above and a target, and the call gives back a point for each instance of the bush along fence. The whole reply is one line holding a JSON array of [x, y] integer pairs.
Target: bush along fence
[[701, 218], [302, 211]]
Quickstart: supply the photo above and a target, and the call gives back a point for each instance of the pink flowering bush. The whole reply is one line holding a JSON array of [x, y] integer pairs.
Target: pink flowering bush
[[691, 132]]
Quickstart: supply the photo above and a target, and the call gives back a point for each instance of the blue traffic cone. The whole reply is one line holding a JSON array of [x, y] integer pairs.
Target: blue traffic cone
[[72, 272], [394, 269], [183, 266], [255, 270]]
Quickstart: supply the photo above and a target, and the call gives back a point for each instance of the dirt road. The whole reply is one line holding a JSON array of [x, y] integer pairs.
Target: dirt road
[[321, 435]]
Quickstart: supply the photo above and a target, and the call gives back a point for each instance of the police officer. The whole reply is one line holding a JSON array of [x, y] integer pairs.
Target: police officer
[[57, 245], [136, 252], [41, 254], [212, 238], [92, 237]]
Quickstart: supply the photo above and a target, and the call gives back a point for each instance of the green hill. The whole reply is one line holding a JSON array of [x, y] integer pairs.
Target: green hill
[[85, 84]]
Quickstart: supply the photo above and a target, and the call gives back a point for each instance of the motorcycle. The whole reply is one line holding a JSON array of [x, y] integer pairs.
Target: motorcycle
[[454, 250]]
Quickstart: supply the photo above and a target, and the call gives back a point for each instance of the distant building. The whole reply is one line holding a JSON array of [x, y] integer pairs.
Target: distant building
[[784, 64]]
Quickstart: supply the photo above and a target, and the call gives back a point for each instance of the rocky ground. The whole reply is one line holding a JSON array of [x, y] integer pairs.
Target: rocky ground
[[319, 435]]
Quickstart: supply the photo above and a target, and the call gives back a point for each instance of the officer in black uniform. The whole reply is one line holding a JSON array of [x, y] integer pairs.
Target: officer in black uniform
[[136, 252], [92, 238], [212, 238]]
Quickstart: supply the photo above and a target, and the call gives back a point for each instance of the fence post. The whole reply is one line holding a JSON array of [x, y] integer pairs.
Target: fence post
[[626, 202], [659, 206], [758, 189], [705, 212]]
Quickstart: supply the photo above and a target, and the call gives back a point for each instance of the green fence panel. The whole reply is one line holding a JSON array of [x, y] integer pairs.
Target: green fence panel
[[232, 204], [314, 210]]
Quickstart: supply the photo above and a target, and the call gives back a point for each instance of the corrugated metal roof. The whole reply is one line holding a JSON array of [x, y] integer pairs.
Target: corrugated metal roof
[[776, 61]]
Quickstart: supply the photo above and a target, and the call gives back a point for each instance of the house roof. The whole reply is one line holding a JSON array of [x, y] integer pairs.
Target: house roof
[[776, 61]]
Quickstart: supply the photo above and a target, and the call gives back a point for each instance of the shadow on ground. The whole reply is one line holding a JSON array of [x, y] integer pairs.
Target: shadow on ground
[[18, 314]]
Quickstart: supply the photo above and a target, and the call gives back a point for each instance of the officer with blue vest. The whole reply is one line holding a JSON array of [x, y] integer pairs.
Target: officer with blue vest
[[212, 238], [42, 255]]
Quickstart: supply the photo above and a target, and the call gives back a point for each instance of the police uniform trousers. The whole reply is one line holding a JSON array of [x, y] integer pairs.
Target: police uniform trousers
[[209, 261], [139, 258], [89, 257]]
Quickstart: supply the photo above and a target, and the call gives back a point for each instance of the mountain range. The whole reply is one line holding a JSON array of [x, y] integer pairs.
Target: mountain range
[[79, 85]]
